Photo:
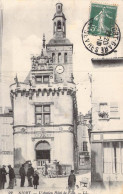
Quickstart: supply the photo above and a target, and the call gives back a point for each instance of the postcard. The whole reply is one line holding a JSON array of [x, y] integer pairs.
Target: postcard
[[61, 99]]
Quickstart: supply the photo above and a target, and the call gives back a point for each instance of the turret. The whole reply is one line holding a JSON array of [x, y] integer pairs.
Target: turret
[[59, 22]]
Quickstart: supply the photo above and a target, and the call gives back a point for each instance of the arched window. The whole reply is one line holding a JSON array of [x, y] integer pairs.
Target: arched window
[[59, 57], [59, 25], [42, 152], [53, 57], [63, 27], [54, 27], [43, 145], [65, 57]]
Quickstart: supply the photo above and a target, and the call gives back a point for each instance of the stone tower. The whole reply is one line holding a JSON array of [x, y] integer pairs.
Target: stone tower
[[44, 105]]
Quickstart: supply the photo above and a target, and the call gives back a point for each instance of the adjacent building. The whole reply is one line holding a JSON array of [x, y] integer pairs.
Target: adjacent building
[[44, 105], [1, 34], [107, 124], [84, 125], [6, 136]]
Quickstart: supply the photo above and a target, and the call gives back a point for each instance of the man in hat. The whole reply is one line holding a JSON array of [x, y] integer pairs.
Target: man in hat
[[0, 177], [30, 173], [22, 175], [11, 177], [3, 176], [71, 181]]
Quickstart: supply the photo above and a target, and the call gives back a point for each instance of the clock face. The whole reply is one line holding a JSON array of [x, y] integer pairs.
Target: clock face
[[59, 69]]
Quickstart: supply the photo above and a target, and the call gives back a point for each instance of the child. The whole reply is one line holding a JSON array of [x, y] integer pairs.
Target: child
[[35, 179]]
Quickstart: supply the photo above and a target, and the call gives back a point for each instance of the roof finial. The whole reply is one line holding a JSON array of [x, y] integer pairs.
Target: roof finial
[[16, 81], [42, 54], [44, 40]]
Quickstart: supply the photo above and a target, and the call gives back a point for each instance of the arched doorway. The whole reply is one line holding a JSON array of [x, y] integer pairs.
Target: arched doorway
[[42, 153]]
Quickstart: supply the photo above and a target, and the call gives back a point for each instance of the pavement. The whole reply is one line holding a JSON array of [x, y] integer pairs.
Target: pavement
[[59, 186], [46, 186]]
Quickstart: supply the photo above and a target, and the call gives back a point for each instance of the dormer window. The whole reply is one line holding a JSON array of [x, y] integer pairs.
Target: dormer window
[[59, 25], [46, 79], [42, 79], [39, 79]]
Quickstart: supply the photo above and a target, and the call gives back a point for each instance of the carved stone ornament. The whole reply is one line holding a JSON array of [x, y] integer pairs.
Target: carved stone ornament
[[70, 128], [23, 130]]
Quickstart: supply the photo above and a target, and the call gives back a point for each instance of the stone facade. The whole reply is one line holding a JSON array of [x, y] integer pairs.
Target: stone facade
[[44, 105], [107, 122], [6, 137], [84, 125]]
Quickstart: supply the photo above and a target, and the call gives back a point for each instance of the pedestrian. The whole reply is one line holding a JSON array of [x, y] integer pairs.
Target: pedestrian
[[3, 176], [71, 182], [45, 169], [35, 179], [0, 177], [30, 173], [22, 175], [11, 177]]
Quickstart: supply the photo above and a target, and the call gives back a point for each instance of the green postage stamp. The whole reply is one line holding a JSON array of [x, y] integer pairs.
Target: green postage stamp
[[102, 19]]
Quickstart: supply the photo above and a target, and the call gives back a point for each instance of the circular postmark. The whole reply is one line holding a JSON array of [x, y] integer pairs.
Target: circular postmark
[[100, 45]]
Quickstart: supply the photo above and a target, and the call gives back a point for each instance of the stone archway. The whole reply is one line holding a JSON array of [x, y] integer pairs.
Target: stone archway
[[42, 150]]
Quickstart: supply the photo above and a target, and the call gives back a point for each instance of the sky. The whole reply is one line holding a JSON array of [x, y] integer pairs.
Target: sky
[[25, 21]]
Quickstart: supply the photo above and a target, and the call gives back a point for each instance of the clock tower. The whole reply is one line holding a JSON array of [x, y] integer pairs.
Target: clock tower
[[60, 49]]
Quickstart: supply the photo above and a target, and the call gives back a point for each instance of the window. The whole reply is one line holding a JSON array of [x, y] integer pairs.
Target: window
[[85, 148], [59, 25], [110, 111], [59, 57], [42, 114], [58, 6], [81, 160], [65, 57], [38, 108], [46, 79], [63, 27], [113, 157], [103, 111], [38, 118], [42, 79], [114, 110], [54, 27], [46, 118], [39, 79], [53, 57]]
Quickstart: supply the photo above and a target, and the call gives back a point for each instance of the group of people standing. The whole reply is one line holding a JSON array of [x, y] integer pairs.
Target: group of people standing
[[3, 174], [32, 176]]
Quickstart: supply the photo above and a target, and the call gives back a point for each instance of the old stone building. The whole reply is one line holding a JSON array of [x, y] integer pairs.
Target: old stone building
[[84, 125], [107, 122], [44, 105], [6, 136]]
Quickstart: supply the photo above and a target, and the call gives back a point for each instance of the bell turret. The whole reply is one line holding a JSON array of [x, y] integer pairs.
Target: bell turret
[[59, 22]]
